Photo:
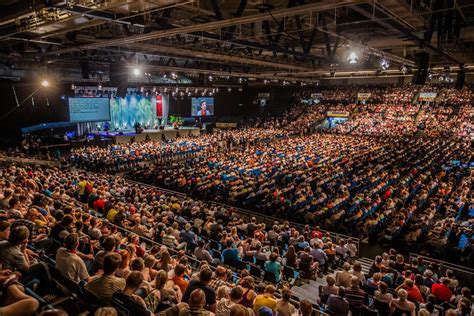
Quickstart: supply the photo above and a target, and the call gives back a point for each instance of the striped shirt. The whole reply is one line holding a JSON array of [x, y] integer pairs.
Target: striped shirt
[[355, 296]]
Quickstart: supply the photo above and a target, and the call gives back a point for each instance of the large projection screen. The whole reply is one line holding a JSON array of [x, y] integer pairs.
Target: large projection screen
[[89, 110], [202, 106]]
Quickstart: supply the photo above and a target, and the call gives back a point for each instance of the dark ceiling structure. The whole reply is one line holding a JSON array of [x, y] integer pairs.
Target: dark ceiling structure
[[256, 40]]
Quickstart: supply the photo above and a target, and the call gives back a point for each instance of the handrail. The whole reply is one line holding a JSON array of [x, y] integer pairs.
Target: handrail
[[261, 218], [464, 274], [442, 263]]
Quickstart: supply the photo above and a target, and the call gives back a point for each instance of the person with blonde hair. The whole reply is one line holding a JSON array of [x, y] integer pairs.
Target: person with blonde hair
[[401, 303]]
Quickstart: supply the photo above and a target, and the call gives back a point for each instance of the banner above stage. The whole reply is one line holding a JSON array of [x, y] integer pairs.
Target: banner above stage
[[337, 114], [427, 96], [363, 96]]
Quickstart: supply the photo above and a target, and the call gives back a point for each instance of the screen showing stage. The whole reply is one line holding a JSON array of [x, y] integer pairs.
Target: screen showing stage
[[202, 106], [89, 110]]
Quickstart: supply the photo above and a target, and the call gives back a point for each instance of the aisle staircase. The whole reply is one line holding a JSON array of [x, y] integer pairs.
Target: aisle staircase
[[309, 289]]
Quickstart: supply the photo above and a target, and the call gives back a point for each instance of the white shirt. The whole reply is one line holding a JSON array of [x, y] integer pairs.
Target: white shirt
[[71, 265]]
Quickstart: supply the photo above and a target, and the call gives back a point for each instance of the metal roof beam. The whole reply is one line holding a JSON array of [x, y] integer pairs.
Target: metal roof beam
[[276, 14]]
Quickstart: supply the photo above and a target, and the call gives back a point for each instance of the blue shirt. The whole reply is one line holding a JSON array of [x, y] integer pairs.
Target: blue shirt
[[274, 267], [231, 256]]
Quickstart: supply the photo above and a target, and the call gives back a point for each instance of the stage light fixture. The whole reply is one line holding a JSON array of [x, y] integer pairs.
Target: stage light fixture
[[45, 83], [73, 86], [353, 58], [265, 81], [240, 80], [384, 64], [217, 89], [99, 87], [403, 69], [229, 89], [136, 71], [174, 76], [196, 90], [211, 78]]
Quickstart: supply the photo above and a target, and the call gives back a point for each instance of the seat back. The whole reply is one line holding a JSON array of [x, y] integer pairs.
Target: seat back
[[288, 272], [400, 312], [382, 307], [260, 262], [269, 277], [129, 307], [255, 271]]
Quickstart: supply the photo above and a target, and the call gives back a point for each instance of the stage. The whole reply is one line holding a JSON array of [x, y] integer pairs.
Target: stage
[[152, 134]]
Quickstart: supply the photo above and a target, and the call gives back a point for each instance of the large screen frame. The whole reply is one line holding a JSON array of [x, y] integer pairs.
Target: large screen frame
[[200, 98], [97, 120]]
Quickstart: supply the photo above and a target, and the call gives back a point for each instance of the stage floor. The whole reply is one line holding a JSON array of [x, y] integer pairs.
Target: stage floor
[[153, 134]]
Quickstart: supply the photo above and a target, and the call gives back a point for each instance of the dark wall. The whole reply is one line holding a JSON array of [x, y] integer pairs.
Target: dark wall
[[13, 118], [234, 103]]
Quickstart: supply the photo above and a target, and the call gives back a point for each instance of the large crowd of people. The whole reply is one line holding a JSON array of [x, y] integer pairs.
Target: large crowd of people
[[396, 173]]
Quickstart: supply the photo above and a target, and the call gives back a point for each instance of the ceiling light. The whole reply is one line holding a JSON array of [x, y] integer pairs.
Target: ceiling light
[[353, 58], [384, 64], [45, 83], [136, 71]]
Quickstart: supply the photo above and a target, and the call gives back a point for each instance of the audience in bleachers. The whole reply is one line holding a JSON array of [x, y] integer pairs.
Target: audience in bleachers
[[146, 251]]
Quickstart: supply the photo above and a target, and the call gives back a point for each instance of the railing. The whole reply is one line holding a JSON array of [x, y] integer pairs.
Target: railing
[[22, 160], [247, 215], [463, 274]]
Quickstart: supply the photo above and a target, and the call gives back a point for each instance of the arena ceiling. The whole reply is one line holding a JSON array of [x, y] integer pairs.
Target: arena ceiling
[[300, 40]]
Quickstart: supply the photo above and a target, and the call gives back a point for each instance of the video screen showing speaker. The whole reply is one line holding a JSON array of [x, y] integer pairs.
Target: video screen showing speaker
[[202, 106], [89, 110]]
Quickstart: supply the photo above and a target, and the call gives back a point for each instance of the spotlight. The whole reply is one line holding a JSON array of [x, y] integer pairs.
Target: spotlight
[[211, 78], [384, 64], [265, 81], [136, 71], [174, 76], [45, 83], [217, 89], [196, 90], [73, 86], [240, 80], [353, 58], [229, 89], [403, 69], [99, 87]]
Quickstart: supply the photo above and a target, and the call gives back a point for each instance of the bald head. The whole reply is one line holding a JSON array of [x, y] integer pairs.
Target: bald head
[[197, 298]]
